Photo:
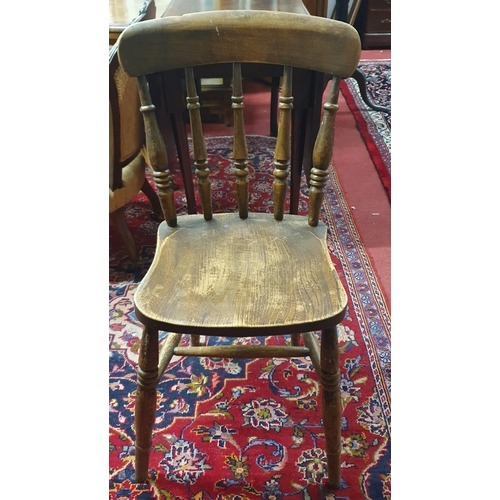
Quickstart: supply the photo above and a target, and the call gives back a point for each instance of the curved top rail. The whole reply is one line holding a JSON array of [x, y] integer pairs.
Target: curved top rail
[[265, 37]]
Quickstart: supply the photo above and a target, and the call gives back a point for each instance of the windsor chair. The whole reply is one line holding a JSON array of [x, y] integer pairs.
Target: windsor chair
[[240, 274]]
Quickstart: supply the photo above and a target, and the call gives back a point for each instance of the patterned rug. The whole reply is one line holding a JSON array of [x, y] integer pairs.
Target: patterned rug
[[240, 429], [375, 126]]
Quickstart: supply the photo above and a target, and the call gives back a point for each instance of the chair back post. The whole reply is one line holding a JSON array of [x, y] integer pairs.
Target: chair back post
[[322, 153], [240, 150], [157, 153], [199, 148], [283, 146]]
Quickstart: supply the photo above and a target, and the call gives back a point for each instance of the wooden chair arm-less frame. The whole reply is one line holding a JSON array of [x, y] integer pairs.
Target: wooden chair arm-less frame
[[246, 274]]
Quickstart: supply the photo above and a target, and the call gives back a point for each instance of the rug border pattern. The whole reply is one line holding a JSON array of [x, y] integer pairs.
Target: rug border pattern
[[367, 121]]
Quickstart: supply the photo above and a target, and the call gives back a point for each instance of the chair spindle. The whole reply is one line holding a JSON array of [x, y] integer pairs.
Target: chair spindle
[[199, 149], [322, 153], [283, 147], [240, 151], [157, 153]]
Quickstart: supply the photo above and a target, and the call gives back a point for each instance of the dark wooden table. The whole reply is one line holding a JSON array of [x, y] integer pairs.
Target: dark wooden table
[[181, 7]]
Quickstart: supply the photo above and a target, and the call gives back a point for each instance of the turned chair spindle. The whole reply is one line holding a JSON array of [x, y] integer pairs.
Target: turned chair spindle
[[322, 153], [283, 150], [199, 148], [240, 151], [157, 153]]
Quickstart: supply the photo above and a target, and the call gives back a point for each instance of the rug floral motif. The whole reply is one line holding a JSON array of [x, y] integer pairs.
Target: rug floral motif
[[251, 429], [375, 126]]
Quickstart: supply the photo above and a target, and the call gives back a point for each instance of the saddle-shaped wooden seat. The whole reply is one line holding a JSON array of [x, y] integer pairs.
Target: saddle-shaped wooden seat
[[259, 274]]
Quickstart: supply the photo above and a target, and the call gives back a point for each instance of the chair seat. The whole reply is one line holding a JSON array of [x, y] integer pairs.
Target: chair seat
[[229, 273]]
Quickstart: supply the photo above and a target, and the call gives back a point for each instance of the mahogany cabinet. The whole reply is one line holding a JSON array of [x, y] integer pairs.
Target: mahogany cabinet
[[316, 7], [374, 24]]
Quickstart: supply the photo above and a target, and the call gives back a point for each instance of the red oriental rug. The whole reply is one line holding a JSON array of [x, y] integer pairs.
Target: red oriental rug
[[375, 126], [251, 429]]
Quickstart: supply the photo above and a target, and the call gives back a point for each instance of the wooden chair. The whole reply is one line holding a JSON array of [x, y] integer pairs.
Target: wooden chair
[[245, 274], [127, 167]]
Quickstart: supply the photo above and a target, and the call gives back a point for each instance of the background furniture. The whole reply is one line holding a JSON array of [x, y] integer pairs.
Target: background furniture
[[316, 7], [348, 11], [344, 10], [245, 274], [123, 13], [127, 174], [374, 24], [372, 19]]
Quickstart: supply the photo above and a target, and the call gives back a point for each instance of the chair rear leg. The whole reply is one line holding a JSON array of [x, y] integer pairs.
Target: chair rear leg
[[145, 404], [151, 195], [120, 222], [332, 406]]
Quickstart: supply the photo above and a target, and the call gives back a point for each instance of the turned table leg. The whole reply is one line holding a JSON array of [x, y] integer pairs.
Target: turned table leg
[[120, 221]]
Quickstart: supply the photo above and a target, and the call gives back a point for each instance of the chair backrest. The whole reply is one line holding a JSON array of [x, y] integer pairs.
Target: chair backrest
[[235, 37]]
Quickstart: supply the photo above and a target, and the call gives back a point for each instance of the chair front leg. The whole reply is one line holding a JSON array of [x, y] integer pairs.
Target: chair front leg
[[332, 405], [145, 404]]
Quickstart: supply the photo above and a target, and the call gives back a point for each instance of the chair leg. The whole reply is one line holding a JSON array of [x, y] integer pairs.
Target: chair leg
[[151, 195], [275, 89], [332, 406], [360, 78], [145, 404], [119, 220]]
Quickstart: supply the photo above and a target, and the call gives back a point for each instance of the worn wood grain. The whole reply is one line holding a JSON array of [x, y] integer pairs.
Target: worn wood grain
[[243, 351], [333, 47], [233, 273]]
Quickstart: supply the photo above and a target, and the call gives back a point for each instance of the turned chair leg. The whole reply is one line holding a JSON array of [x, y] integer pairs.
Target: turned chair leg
[[120, 221], [332, 406], [145, 403], [151, 195]]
